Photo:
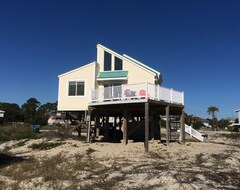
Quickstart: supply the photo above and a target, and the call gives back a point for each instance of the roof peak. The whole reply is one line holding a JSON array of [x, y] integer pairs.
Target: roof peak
[[130, 59]]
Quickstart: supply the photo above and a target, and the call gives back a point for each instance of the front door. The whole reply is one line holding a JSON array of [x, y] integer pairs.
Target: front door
[[112, 90]]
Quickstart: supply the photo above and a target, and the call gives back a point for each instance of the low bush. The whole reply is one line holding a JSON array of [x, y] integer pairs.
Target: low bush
[[231, 136], [16, 132], [21, 143], [46, 145], [55, 132], [23, 131]]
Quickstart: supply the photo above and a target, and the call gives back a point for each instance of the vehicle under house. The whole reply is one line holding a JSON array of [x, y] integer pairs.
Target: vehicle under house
[[120, 98]]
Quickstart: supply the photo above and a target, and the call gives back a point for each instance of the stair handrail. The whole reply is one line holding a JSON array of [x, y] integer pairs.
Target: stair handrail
[[193, 132]]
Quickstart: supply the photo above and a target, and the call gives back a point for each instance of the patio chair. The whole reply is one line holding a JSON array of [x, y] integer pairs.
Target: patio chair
[[128, 93], [142, 93]]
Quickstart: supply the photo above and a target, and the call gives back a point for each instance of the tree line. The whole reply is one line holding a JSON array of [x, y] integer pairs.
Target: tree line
[[197, 122], [31, 112]]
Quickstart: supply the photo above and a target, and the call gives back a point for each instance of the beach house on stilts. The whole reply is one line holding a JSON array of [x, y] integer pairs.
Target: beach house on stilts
[[120, 98]]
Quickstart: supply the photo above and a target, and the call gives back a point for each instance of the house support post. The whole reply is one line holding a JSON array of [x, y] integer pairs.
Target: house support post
[[97, 125], [125, 123], [152, 124], [120, 123], [182, 131], [156, 127], [170, 127], [114, 129], [159, 123], [106, 128], [66, 120], [167, 126], [146, 143], [79, 128], [89, 125]]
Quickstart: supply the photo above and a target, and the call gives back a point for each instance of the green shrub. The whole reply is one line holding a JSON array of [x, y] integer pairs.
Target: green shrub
[[45, 145], [53, 132], [197, 125], [17, 132], [21, 143]]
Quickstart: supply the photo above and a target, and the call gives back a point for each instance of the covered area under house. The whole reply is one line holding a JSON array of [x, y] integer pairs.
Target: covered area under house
[[137, 116]]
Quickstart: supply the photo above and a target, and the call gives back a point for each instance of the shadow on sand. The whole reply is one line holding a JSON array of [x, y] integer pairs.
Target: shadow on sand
[[6, 159]]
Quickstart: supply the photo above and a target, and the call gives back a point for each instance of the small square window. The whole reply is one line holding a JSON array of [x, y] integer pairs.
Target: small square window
[[76, 88]]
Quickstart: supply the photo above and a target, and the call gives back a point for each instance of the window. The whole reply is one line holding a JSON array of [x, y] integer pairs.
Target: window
[[107, 61], [76, 88], [112, 90], [118, 64]]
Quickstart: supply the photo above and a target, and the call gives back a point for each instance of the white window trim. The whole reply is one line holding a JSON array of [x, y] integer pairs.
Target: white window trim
[[76, 80]]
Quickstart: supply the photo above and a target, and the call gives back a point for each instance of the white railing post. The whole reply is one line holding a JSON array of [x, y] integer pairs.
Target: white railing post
[[122, 91], [102, 93], [112, 91]]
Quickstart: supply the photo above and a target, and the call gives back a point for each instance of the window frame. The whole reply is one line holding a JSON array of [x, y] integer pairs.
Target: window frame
[[76, 90], [115, 63], [104, 63]]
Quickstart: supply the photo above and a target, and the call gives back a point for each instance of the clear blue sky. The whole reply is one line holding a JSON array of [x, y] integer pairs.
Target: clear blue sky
[[194, 44]]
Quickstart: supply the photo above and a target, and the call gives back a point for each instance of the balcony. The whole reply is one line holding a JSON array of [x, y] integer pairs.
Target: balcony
[[135, 92]]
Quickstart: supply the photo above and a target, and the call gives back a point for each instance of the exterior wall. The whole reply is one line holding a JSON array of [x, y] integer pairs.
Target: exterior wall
[[136, 74], [76, 103], [89, 73], [100, 58]]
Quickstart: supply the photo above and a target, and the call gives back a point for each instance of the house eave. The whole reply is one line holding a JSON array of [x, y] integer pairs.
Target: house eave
[[141, 64]]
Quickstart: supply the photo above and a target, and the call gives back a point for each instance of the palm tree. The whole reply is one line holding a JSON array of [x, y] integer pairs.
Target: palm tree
[[211, 111]]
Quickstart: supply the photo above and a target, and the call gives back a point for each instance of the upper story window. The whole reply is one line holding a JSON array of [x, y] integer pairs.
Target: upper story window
[[76, 88], [118, 64], [107, 61]]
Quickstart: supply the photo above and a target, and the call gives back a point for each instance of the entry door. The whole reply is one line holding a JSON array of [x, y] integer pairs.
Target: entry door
[[107, 91], [112, 90]]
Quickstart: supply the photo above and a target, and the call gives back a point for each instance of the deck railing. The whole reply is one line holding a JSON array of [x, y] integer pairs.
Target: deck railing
[[136, 91]]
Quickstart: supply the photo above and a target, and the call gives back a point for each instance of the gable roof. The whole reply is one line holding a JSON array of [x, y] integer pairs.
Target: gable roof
[[130, 59], [74, 70]]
